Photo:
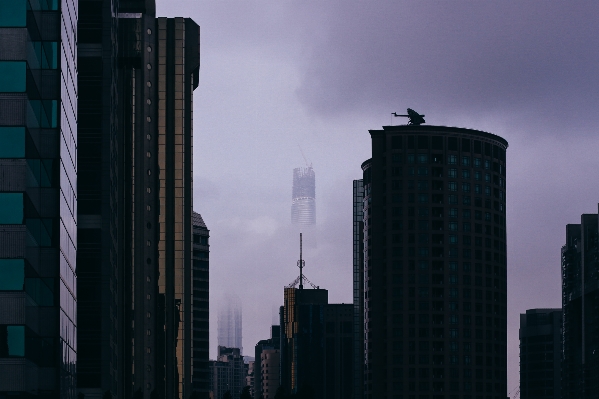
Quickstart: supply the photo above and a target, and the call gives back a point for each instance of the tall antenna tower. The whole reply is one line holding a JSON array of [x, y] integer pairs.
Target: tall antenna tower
[[301, 278]]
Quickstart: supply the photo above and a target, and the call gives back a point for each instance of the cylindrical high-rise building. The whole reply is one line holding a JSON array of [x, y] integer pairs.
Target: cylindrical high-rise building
[[303, 206], [435, 264]]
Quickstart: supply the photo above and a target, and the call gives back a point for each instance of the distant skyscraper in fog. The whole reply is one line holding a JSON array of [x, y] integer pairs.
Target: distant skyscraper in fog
[[303, 206], [229, 323]]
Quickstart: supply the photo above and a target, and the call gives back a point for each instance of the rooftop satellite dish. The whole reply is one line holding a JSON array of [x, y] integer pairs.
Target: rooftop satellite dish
[[414, 117]]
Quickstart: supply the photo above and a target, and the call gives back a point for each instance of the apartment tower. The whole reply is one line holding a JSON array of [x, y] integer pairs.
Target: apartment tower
[[38, 200], [435, 264]]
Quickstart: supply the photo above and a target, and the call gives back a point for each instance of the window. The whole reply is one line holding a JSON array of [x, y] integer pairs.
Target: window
[[453, 226], [452, 199], [477, 162], [453, 212], [466, 227], [12, 274], [466, 200], [14, 344], [453, 266], [11, 208], [423, 158], [466, 174], [452, 186], [466, 188], [465, 161], [487, 164], [452, 159], [488, 216], [452, 172], [423, 171], [453, 279], [12, 76], [477, 189], [487, 178], [12, 142], [422, 184], [466, 213], [411, 158], [477, 175], [13, 13], [453, 239], [453, 319], [487, 190], [422, 198], [396, 158]]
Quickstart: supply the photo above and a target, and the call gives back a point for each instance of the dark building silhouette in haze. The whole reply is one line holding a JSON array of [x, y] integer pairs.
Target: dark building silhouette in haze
[[317, 342], [230, 323], [272, 345], [38, 201], [303, 205], [540, 354], [580, 304], [138, 73], [435, 264], [201, 308], [358, 288]]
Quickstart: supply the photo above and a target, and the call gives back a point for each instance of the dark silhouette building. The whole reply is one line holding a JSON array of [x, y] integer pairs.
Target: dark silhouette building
[[540, 354], [358, 289], [99, 310], [272, 345], [201, 308], [303, 205], [317, 340], [38, 201], [227, 373], [435, 264], [580, 304], [138, 73]]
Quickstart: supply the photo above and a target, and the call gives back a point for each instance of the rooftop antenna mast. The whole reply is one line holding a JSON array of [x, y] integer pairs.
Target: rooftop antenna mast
[[301, 264]]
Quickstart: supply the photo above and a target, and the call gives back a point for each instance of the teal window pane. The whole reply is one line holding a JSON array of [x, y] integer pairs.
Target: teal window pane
[[12, 142], [13, 13], [50, 59], [12, 76], [12, 274], [11, 208], [15, 340]]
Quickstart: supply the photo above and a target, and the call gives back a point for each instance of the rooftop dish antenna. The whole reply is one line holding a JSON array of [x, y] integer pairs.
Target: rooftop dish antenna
[[414, 117]]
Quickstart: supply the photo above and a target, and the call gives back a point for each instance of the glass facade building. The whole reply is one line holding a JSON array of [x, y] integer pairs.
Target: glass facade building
[[303, 205], [435, 264], [38, 201]]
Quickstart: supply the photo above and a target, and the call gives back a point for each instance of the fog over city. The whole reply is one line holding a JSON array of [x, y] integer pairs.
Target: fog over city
[[319, 74]]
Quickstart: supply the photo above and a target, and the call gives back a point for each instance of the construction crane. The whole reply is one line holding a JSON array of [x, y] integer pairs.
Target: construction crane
[[309, 165]]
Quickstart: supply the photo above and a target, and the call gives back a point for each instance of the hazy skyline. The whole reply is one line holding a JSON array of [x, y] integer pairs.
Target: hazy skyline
[[320, 74]]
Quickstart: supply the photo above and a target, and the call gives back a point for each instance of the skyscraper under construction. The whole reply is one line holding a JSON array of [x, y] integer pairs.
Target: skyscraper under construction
[[303, 206]]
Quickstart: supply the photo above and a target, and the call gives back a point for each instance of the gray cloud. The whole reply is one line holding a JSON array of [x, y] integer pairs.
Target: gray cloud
[[321, 73]]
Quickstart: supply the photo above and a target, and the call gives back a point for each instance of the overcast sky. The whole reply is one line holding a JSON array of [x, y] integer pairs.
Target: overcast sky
[[319, 74]]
